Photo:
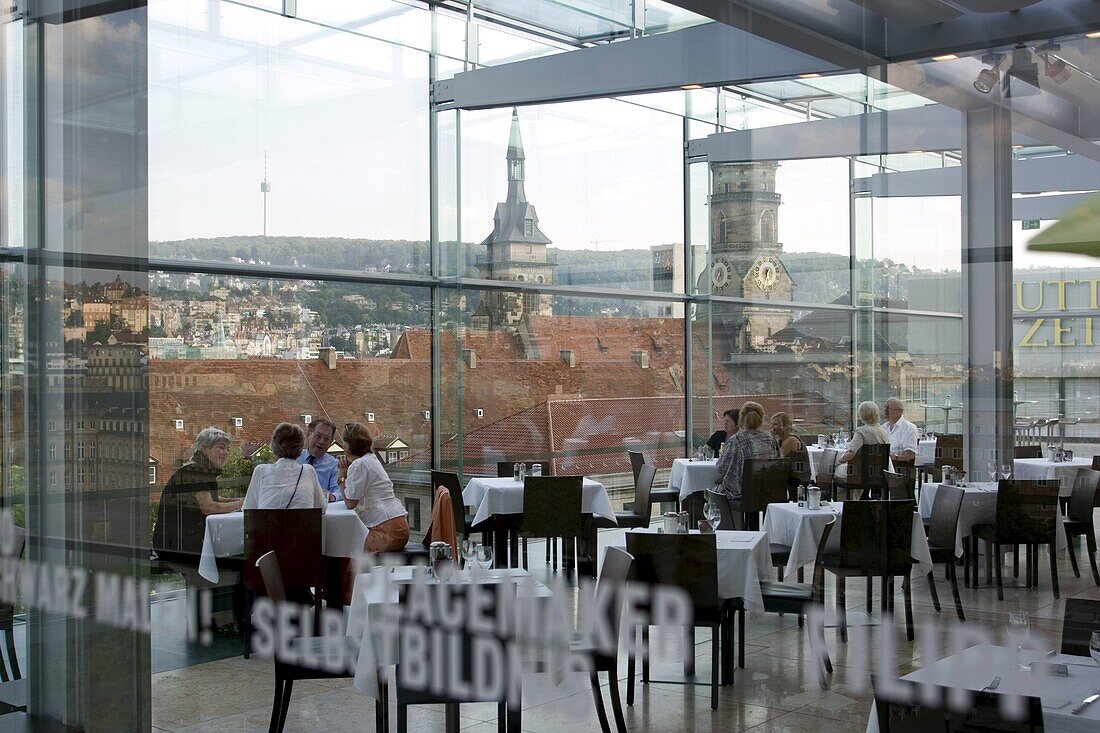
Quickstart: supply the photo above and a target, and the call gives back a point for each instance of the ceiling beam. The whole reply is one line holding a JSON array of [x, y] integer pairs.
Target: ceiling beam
[[1029, 176]]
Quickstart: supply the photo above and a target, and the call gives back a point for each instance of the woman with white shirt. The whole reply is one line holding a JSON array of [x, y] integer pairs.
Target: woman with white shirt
[[369, 491], [285, 484]]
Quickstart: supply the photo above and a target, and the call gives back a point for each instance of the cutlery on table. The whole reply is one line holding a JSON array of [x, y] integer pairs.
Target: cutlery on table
[[992, 685], [1087, 701]]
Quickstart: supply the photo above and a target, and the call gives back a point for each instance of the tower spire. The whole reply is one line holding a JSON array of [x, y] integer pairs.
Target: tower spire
[[516, 160]]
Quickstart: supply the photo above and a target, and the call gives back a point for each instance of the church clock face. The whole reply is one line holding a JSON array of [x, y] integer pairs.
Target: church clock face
[[765, 273], [720, 274]]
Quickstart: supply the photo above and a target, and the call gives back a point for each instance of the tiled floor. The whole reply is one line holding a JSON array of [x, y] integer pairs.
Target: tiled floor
[[770, 694]]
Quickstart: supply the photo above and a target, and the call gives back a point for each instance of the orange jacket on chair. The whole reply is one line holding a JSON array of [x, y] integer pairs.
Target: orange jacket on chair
[[442, 528]]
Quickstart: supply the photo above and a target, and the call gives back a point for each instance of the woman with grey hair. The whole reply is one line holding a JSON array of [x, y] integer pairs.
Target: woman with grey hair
[[285, 484], [189, 497], [869, 433]]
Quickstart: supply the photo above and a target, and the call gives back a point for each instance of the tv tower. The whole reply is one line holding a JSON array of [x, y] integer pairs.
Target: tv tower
[[265, 189]]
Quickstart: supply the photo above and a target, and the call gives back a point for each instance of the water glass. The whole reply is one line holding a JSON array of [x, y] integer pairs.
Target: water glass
[[712, 514], [1006, 471], [444, 568], [1019, 631], [484, 557], [536, 469], [992, 466], [1094, 647], [515, 471], [469, 551]]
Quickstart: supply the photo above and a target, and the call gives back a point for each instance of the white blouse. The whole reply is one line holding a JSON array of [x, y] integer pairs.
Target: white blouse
[[368, 483], [285, 484]]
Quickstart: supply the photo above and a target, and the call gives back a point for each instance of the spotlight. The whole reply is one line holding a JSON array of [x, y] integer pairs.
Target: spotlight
[[1056, 69], [987, 79]]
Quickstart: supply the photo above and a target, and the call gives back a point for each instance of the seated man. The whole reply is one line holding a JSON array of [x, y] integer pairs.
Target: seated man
[[319, 438], [903, 434]]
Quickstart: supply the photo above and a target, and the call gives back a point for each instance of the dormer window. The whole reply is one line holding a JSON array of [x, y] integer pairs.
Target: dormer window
[[515, 170], [528, 228]]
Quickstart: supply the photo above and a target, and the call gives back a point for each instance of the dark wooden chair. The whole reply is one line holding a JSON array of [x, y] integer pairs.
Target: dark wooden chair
[[920, 710], [463, 520], [1080, 618], [800, 474], [1028, 451], [616, 571], [949, 452], [506, 469], [1027, 514], [865, 472], [659, 496], [1079, 521], [798, 598], [641, 512], [826, 472], [552, 510], [763, 482], [271, 580], [295, 534], [898, 486], [688, 562], [875, 542], [943, 528]]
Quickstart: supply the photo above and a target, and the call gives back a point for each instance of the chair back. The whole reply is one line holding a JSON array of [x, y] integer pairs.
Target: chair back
[[763, 482], [271, 578], [827, 468], [617, 568], [943, 525], [949, 452], [686, 561], [800, 466], [506, 469], [295, 534], [808, 440], [552, 506], [867, 467], [454, 488], [1027, 512], [819, 562], [898, 486], [1096, 463], [637, 460], [1083, 499], [923, 710], [1080, 618], [876, 537], [643, 487], [1028, 451]]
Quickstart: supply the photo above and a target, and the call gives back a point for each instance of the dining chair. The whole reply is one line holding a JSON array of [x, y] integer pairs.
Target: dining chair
[[943, 528], [295, 534], [908, 470], [1080, 618], [1027, 514], [763, 482], [912, 707], [552, 510], [898, 486], [272, 583], [464, 521], [798, 598], [616, 570], [826, 472], [1028, 451], [506, 469], [642, 510], [865, 472], [800, 474], [875, 542], [658, 496], [1082, 503], [949, 452], [688, 562]]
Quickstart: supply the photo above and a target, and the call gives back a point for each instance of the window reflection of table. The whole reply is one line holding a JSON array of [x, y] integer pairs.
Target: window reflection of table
[[946, 414], [1044, 469]]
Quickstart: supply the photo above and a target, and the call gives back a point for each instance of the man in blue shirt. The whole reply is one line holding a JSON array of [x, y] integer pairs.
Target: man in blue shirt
[[319, 438]]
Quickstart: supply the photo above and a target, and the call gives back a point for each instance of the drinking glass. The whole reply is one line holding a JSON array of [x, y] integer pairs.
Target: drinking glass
[[444, 568], [1094, 647], [1019, 630], [469, 551], [484, 557], [712, 514], [992, 466], [1006, 471]]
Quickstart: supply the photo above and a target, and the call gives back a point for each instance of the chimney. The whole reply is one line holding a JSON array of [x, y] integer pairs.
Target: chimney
[[568, 357], [470, 357], [641, 358], [327, 354]]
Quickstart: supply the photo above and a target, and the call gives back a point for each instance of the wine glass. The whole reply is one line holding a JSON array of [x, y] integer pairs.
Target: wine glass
[[1019, 630], [712, 514], [992, 466], [468, 551], [484, 557], [1006, 471], [1094, 647]]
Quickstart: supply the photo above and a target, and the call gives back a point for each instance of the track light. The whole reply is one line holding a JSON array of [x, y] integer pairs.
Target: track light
[[1057, 70], [987, 79]]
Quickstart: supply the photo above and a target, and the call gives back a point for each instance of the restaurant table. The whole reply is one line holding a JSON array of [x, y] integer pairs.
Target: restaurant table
[[342, 535], [800, 529], [691, 475], [926, 453], [946, 414], [378, 591], [974, 669], [743, 559], [1039, 469], [817, 455]]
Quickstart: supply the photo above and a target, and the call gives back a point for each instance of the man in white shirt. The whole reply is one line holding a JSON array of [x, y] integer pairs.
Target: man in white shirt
[[903, 434]]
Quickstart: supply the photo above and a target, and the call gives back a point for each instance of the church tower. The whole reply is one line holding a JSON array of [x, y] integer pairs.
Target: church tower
[[516, 251], [745, 250]]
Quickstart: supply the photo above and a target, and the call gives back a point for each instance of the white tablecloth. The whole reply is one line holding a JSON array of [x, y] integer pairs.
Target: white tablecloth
[[342, 535], [926, 453], [743, 559], [1038, 469], [492, 496], [691, 476], [800, 528], [381, 588], [979, 507], [974, 668]]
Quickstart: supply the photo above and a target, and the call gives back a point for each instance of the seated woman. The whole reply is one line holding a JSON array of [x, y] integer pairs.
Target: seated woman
[[285, 484], [719, 437], [188, 498], [748, 442], [869, 433], [369, 491], [782, 429]]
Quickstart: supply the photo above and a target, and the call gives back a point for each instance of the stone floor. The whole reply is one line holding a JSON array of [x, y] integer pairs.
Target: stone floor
[[769, 694]]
